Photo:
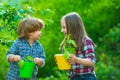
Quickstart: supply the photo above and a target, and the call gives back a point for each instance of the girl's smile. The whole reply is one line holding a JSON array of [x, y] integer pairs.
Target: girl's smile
[[64, 28]]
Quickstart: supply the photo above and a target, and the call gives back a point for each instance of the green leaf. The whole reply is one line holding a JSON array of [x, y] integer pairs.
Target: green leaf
[[29, 58], [21, 62], [66, 55], [21, 11], [72, 42], [69, 47]]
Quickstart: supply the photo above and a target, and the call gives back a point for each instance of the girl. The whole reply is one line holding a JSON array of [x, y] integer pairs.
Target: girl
[[25, 45], [84, 59]]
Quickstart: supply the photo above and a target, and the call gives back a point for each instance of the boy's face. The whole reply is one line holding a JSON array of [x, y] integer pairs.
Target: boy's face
[[35, 35], [64, 28]]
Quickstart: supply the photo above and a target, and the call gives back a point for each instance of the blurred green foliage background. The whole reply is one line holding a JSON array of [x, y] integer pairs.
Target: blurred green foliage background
[[101, 19]]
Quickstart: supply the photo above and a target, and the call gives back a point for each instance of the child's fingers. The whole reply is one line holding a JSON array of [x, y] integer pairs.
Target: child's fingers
[[17, 58], [35, 60], [72, 55], [70, 62], [55, 59], [72, 59], [38, 61]]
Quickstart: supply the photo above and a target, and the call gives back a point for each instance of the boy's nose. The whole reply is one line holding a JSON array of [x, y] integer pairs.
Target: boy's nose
[[40, 32]]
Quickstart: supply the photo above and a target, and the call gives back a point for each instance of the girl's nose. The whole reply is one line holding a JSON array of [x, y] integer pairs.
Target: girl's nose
[[61, 30]]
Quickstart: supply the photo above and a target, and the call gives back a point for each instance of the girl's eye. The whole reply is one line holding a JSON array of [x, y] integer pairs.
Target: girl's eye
[[63, 27]]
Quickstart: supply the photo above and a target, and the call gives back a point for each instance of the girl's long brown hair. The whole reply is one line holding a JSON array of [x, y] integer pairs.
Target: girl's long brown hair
[[75, 27]]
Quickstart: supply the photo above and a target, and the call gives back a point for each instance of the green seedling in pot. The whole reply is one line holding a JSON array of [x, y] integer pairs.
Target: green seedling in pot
[[29, 58], [26, 67], [21, 62], [69, 47]]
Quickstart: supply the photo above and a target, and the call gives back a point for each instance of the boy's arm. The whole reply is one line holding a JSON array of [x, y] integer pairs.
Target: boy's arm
[[10, 56], [13, 58], [40, 61]]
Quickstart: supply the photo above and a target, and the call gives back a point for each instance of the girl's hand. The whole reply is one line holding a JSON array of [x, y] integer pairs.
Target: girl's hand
[[72, 59], [38, 61], [16, 58], [55, 59]]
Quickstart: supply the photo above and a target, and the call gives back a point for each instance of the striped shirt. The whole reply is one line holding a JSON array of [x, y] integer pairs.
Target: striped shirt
[[87, 53], [22, 47]]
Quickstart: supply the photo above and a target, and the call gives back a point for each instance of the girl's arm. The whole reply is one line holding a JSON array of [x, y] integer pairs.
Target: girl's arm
[[89, 56], [86, 62]]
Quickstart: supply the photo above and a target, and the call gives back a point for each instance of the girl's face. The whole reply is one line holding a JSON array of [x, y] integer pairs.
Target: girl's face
[[64, 28], [35, 35]]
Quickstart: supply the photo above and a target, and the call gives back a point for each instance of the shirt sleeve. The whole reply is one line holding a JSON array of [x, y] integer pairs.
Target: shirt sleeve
[[89, 50], [42, 56], [12, 50]]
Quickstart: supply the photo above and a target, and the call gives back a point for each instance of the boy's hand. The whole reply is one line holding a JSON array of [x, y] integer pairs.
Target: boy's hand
[[17, 58], [38, 61], [14, 58]]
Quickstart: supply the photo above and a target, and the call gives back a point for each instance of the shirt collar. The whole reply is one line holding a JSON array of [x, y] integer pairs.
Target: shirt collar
[[25, 41]]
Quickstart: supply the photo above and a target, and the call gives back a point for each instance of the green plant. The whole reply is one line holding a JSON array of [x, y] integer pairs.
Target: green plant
[[21, 62], [69, 47], [97, 28]]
